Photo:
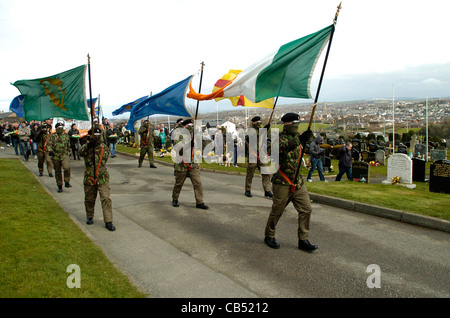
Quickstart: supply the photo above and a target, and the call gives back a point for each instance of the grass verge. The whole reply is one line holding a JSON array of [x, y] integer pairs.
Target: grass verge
[[39, 241]]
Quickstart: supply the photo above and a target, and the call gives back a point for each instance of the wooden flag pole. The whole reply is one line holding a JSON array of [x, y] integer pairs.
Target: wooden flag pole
[[199, 89], [317, 94]]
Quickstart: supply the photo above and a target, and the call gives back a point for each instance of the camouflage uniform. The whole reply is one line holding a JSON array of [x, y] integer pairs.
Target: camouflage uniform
[[59, 148], [146, 144], [286, 189], [184, 170], [43, 138], [96, 181]]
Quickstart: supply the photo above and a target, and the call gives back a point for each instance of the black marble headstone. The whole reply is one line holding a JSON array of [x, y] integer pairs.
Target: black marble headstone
[[418, 170], [440, 176], [360, 170]]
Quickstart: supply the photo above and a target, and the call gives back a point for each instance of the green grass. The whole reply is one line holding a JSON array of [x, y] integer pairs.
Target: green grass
[[419, 200], [39, 240]]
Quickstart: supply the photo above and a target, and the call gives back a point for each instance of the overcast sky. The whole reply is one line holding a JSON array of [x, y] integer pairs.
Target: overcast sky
[[138, 47]]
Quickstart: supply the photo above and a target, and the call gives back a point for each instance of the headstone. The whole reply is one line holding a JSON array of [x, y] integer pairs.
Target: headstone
[[372, 156], [440, 176], [400, 165], [438, 154], [419, 170], [360, 170], [419, 148], [356, 144], [402, 149], [365, 156], [372, 146], [414, 141], [379, 156]]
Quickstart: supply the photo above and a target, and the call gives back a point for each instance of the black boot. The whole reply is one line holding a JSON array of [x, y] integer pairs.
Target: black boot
[[268, 194], [152, 166], [175, 203], [89, 221], [306, 245], [202, 206], [60, 189], [110, 226], [271, 242], [67, 185], [248, 194]]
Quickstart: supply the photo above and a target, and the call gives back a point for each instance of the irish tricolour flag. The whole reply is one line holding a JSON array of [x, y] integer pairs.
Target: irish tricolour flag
[[286, 72]]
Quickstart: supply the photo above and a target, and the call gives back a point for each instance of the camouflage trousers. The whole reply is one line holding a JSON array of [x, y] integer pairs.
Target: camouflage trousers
[[281, 198], [59, 166], [251, 168], [180, 177], [44, 158], [90, 195], [144, 151]]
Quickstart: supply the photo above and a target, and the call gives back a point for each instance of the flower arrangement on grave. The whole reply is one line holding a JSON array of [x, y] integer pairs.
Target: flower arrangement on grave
[[395, 180]]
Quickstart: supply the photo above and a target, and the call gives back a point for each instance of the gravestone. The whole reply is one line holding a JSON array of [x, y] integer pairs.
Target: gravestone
[[402, 149], [379, 156], [419, 170], [414, 141], [372, 146], [360, 170], [438, 154], [365, 156], [440, 176], [400, 165], [419, 149], [356, 144]]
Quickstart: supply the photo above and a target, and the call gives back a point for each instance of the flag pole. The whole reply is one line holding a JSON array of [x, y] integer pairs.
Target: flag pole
[[199, 88], [318, 91], [92, 112], [273, 109]]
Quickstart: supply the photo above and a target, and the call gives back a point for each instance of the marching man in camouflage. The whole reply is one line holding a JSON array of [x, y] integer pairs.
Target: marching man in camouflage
[[59, 150], [146, 144], [188, 170], [96, 178], [43, 138], [287, 188]]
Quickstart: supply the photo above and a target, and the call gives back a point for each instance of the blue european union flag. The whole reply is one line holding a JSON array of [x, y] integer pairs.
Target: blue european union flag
[[16, 105], [169, 102], [128, 107]]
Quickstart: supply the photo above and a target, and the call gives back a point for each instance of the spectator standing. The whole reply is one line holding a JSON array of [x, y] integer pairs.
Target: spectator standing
[[111, 136], [24, 133], [74, 136], [34, 132], [316, 162], [345, 162]]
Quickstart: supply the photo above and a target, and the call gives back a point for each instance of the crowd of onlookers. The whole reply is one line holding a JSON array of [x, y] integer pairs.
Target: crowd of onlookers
[[21, 136]]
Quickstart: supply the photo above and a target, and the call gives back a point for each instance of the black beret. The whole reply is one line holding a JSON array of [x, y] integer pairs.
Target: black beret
[[179, 119], [187, 121], [59, 124], [290, 117], [256, 118]]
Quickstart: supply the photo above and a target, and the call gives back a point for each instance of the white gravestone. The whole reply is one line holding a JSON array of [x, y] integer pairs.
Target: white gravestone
[[399, 165]]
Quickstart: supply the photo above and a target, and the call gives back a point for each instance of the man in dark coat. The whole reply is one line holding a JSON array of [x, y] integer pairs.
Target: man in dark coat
[[345, 162]]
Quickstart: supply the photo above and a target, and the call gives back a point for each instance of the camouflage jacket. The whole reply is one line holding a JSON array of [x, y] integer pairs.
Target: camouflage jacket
[[146, 136], [289, 154], [102, 175], [185, 166], [43, 140], [60, 145]]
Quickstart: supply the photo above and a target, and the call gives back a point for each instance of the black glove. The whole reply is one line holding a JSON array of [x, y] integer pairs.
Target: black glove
[[267, 126], [50, 153], [91, 143], [306, 136]]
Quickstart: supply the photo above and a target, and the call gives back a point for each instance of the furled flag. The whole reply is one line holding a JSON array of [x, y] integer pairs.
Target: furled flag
[[16, 105], [239, 100], [60, 95], [286, 72], [127, 107], [168, 102], [88, 102]]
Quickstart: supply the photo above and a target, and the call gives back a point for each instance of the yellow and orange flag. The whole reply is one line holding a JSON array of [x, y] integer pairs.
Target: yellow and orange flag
[[241, 100]]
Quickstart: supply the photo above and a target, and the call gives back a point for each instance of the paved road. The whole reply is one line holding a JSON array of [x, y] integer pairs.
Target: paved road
[[186, 252]]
